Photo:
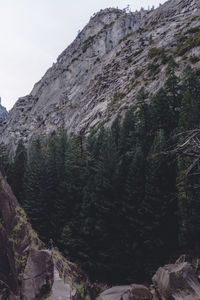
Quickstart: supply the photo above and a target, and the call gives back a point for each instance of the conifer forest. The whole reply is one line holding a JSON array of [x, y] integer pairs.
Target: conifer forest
[[119, 201]]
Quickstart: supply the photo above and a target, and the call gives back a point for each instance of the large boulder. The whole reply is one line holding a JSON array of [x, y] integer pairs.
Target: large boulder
[[38, 275], [117, 293], [177, 282], [140, 292], [127, 292]]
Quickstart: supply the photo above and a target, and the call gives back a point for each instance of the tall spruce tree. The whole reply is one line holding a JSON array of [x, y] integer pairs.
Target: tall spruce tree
[[35, 189], [99, 210], [161, 201], [188, 191], [17, 170], [4, 159]]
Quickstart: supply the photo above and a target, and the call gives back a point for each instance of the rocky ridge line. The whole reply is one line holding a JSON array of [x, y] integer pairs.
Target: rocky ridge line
[[98, 76]]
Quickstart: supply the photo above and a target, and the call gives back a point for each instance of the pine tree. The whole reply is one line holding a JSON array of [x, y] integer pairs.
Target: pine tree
[[191, 83], [189, 114], [188, 194], [173, 92], [59, 183], [4, 159], [35, 181], [133, 224], [161, 201], [143, 121], [99, 211], [52, 183], [17, 170], [172, 84]]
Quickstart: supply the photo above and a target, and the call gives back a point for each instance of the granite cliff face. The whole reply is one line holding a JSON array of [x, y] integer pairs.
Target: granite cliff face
[[100, 73]]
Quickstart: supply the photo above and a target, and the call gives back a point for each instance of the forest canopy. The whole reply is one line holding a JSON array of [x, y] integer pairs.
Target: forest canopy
[[114, 201]]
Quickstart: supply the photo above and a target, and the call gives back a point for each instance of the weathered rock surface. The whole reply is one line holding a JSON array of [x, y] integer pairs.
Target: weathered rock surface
[[177, 282], [38, 275], [129, 292], [140, 292], [97, 76], [60, 289], [117, 293]]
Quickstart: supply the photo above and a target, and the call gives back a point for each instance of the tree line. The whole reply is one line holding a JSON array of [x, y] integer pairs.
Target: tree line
[[113, 201]]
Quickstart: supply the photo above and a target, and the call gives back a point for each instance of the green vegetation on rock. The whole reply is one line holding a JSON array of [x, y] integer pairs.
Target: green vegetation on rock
[[187, 43]]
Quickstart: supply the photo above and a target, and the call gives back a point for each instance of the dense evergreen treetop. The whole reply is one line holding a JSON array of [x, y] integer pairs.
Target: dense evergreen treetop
[[111, 200]]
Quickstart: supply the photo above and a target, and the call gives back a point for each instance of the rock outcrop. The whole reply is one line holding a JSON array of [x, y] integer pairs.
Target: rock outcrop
[[117, 293], [60, 289], [140, 292], [177, 281], [38, 275], [27, 269], [129, 292], [100, 73]]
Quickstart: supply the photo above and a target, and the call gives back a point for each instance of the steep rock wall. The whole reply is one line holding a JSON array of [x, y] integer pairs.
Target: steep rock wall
[[100, 73]]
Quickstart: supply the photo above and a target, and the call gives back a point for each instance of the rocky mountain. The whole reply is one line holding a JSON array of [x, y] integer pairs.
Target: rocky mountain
[[28, 270], [3, 113], [100, 73]]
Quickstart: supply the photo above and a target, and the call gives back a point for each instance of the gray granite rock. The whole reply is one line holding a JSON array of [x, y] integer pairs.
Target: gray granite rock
[[127, 292], [177, 282], [117, 293], [38, 275], [79, 91]]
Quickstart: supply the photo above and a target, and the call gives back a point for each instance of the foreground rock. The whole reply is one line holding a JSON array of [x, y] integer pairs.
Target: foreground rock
[[127, 292], [140, 292], [38, 275], [60, 289], [177, 282], [117, 293]]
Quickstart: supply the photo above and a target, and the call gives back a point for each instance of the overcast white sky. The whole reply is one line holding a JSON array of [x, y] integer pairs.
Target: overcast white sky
[[34, 32]]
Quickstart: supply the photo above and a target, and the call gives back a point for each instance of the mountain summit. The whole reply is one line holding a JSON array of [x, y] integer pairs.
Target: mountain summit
[[100, 73]]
